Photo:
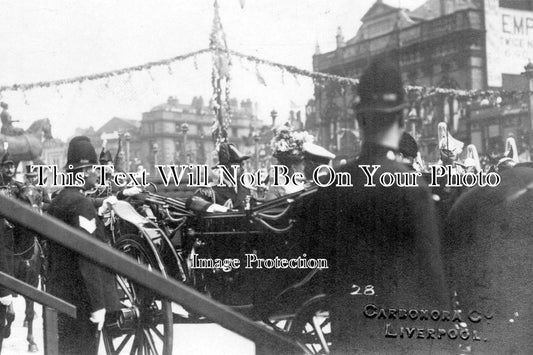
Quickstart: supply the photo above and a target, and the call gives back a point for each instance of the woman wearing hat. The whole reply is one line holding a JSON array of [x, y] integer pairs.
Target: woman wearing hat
[[72, 277], [287, 148]]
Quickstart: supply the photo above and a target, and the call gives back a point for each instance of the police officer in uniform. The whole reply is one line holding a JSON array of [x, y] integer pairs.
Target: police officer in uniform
[[385, 248], [11, 188], [72, 277]]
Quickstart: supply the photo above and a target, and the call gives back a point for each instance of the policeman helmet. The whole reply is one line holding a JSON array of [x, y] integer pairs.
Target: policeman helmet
[[380, 89], [80, 153]]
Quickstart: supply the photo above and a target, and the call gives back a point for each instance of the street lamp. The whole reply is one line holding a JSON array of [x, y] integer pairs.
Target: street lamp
[[155, 150], [273, 115], [528, 73], [184, 130], [127, 138], [256, 140], [412, 117]]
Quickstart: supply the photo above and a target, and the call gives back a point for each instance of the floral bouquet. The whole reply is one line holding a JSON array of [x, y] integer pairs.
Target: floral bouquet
[[287, 145]]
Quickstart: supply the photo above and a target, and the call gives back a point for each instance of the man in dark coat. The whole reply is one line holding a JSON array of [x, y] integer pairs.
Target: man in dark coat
[[72, 277], [384, 246], [229, 196]]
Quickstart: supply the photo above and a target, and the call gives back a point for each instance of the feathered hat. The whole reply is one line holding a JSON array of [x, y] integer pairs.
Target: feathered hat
[[510, 149], [472, 158], [448, 145]]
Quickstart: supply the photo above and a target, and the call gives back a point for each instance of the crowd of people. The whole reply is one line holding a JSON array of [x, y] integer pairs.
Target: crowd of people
[[387, 237]]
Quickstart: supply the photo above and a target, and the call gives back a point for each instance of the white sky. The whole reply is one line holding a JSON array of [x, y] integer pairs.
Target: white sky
[[56, 39]]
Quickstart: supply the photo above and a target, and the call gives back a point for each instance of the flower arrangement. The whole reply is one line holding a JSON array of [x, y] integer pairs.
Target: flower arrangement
[[287, 145]]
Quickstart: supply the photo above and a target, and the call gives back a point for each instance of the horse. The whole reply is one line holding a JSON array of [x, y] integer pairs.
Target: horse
[[487, 247], [28, 146], [28, 258]]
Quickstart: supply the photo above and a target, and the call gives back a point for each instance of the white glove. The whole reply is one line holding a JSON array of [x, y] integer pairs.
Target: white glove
[[98, 317], [228, 204], [6, 300], [111, 200], [131, 191], [217, 208]]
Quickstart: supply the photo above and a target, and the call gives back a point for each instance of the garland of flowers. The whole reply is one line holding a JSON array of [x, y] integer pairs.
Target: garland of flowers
[[104, 75], [295, 70]]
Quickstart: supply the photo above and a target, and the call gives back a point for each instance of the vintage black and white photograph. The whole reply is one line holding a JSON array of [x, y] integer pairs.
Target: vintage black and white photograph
[[238, 177]]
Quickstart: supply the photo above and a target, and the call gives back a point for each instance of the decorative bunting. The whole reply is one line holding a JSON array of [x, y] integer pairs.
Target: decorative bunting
[[259, 76], [104, 75]]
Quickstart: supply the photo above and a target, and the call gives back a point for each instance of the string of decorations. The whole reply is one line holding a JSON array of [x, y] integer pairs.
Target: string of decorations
[[220, 78], [104, 75], [295, 70]]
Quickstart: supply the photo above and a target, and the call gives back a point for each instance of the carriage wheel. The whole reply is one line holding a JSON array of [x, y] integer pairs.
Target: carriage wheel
[[312, 325], [145, 323]]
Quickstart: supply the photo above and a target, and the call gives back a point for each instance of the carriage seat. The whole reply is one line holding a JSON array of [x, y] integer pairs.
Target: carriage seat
[[126, 212]]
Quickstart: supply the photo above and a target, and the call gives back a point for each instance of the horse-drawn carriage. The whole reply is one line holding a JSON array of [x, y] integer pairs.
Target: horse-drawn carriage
[[239, 258]]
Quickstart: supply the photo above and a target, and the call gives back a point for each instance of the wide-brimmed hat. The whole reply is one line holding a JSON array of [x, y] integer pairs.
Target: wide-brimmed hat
[[380, 89], [316, 153], [80, 153], [228, 155]]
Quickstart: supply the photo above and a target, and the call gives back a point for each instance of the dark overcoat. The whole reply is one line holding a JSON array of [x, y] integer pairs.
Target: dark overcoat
[[384, 245], [76, 279], [489, 248]]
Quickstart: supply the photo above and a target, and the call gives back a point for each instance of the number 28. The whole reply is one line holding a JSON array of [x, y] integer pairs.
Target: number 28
[[367, 291]]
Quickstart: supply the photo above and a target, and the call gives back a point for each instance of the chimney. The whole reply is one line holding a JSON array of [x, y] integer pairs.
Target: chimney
[[442, 11], [173, 100], [340, 38]]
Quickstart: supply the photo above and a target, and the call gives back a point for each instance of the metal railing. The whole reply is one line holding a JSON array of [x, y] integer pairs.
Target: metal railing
[[267, 341], [52, 305]]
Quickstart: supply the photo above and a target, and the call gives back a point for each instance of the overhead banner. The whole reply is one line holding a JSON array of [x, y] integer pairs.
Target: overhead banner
[[509, 41]]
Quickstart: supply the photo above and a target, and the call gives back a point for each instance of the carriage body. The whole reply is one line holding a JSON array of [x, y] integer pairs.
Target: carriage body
[[238, 257], [162, 233]]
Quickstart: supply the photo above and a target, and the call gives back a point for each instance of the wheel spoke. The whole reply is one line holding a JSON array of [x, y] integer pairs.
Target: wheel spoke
[[152, 334], [124, 342], [108, 344], [134, 346], [157, 332], [320, 335], [123, 284], [150, 341]]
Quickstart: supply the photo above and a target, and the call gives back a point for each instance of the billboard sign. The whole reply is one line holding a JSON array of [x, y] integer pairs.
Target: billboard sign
[[509, 41]]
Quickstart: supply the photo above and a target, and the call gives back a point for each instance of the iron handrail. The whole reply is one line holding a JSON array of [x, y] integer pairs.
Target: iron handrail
[[37, 295], [266, 340]]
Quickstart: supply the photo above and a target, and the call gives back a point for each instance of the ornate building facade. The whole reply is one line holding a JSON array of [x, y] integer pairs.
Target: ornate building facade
[[439, 44], [175, 133]]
